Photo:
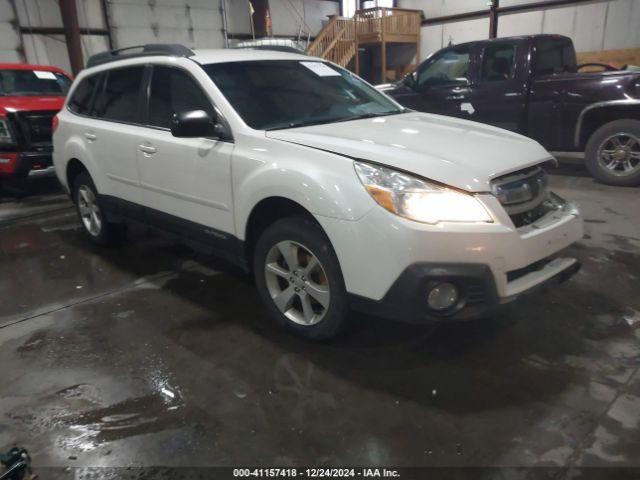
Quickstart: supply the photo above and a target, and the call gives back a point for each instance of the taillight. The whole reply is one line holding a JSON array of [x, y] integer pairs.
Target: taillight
[[54, 123]]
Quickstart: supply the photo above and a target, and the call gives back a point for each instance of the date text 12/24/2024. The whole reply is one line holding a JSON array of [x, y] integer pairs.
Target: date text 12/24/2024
[[316, 472]]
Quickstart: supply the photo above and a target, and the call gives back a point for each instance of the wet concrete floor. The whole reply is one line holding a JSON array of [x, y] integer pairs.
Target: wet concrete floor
[[149, 355]]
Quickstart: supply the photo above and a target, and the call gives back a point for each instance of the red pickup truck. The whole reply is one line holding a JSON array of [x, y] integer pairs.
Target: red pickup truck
[[30, 96]]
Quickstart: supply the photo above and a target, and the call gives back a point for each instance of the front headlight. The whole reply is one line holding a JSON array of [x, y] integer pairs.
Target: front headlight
[[418, 199], [5, 132]]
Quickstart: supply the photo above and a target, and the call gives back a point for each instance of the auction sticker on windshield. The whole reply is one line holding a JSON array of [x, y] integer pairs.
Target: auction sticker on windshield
[[321, 69], [44, 75]]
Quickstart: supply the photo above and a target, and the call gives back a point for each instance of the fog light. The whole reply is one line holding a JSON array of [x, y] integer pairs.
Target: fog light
[[443, 296]]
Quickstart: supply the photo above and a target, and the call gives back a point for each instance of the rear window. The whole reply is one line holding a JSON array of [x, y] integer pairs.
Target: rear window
[[119, 99], [33, 83], [80, 102], [554, 55]]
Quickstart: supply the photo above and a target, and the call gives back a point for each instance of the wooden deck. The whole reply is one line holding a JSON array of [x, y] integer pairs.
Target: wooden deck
[[391, 25], [341, 37]]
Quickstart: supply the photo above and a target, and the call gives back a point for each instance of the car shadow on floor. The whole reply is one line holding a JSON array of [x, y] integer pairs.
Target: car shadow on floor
[[514, 358], [32, 187], [573, 168]]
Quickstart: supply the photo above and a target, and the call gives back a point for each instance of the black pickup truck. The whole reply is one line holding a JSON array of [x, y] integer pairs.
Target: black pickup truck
[[532, 85]]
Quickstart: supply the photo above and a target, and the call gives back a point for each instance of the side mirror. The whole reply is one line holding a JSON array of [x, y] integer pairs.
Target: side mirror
[[194, 123], [410, 80]]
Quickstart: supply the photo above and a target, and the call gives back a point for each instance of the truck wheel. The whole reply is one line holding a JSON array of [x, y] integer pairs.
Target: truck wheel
[[299, 278], [613, 153], [91, 214]]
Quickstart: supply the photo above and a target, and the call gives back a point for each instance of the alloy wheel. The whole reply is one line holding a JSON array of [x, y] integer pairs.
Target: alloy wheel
[[620, 154], [297, 283], [89, 210]]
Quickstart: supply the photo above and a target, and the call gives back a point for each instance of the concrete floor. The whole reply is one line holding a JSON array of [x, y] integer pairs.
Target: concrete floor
[[147, 355]]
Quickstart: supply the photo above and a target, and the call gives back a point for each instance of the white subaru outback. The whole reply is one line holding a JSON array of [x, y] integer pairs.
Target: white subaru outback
[[332, 194]]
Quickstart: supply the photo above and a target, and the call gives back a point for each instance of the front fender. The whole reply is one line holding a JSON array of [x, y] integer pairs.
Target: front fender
[[323, 183]]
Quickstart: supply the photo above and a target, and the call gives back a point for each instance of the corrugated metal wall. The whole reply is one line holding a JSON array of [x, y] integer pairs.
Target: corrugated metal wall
[[47, 49], [10, 45], [287, 16], [194, 23], [599, 25]]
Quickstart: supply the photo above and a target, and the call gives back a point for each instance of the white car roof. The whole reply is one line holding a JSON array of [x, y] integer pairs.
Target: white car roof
[[207, 56]]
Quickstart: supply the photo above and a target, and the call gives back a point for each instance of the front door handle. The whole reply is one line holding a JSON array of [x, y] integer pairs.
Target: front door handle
[[148, 149], [90, 136]]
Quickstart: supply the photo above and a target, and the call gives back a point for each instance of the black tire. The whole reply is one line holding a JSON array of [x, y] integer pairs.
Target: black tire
[[109, 234], [308, 234], [598, 140]]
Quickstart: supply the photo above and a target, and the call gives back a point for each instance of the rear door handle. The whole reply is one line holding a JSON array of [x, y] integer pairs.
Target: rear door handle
[[148, 149], [90, 136]]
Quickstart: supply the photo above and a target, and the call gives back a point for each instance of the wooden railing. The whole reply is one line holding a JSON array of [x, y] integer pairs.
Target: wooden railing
[[336, 41], [391, 22]]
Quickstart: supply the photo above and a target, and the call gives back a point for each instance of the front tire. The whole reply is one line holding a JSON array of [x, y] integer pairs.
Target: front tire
[[91, 214], [299, 278], [612, 154]]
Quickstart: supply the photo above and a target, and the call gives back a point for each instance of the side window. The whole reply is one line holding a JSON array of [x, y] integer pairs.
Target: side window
[[448, 67], [173, 91], [80, 102], [119, 98], [498, 63]]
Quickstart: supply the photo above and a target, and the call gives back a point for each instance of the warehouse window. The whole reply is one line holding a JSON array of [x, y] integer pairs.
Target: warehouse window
[[119, 99], [498, 63], [174, 91]]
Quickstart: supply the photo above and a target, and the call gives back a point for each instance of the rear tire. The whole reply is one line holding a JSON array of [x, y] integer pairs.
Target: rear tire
[[612, 155], [92, 215], [298, 276]]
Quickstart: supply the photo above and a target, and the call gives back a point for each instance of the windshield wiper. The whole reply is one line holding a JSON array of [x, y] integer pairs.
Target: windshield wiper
[[301, 124], [334, 120], [361, 116]]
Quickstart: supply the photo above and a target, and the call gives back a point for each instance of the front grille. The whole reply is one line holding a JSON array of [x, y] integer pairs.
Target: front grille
[[527, 218], [35, 127], [524, 195]]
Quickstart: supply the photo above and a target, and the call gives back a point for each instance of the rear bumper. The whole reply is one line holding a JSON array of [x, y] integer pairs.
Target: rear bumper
[[406, 300], [19, 164]]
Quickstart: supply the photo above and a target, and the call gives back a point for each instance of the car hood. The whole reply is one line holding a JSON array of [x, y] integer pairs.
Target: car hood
[[27, 103], [459, 153]]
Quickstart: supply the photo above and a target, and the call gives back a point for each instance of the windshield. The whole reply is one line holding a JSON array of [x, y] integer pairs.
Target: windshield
[[276, 94], [33, 82]]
